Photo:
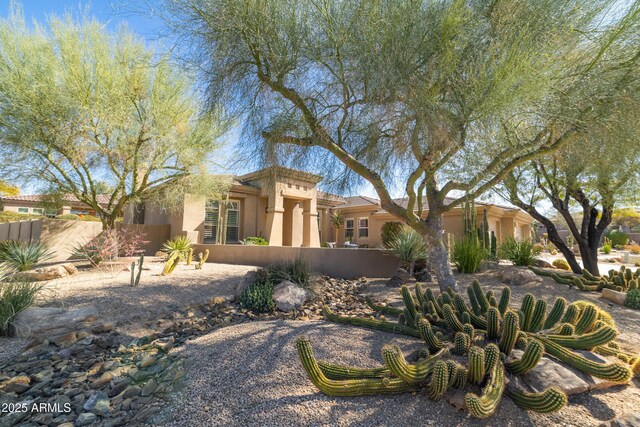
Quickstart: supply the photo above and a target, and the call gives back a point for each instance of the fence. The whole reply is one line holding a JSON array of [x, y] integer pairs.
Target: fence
[[21, 230], [342, 263]]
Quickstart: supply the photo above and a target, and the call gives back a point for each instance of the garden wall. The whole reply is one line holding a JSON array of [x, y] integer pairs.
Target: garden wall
[[21, 230], [62, 236], [334, 262]]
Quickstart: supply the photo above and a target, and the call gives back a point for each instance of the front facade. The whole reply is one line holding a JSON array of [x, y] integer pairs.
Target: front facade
[[285, 207]]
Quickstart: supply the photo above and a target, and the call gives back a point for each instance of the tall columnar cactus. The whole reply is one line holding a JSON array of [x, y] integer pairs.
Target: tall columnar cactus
[[202, 258], [189, 256], [135, 277], [493, 323], [486, 332]]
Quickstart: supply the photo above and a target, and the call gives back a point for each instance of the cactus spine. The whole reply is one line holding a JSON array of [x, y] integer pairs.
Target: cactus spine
[[340, 372], [530, 358], [510, 330], [538, 317], [485, 405], [556, 312], [505, 296], [549, 400], [461, 343], [476, 371], [439, 380], [493, 323]]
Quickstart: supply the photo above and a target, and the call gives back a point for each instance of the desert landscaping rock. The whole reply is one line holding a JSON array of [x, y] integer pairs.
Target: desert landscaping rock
[[289, 296], [519, 276], [40, 323], [614, 296], [48, 273]]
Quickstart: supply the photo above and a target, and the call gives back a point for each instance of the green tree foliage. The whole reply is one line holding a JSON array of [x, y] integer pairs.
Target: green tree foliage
[[403, 91], [85, 111]]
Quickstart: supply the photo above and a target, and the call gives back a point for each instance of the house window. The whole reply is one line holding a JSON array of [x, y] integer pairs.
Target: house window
[[79, 212], [23, 210], [363, 227], [38, 211], [211, 217], [233, 222], [348, 228], [211, 212]]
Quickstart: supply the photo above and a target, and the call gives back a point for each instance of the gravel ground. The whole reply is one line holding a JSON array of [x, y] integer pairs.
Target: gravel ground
[[130, 309], [249, 374]]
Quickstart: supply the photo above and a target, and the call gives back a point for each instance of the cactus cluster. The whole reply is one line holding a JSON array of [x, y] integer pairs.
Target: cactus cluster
[[621, 280], [469, 346]]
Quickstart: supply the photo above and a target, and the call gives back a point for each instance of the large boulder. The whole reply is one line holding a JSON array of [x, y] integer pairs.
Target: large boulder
[[401, 277], [289, 296], [47, 273], [518, 276], [248, 279], [613, 296], [59, 325]]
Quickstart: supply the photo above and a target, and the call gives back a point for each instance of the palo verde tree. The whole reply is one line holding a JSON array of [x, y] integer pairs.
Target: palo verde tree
[[84, 111], [585, 179], [408, 91]]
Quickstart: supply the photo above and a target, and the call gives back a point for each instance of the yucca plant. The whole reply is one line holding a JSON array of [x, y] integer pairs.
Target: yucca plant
[[468, 254], [178, 246], [23, 256], [520, 252], [409, 246], [296, 271]]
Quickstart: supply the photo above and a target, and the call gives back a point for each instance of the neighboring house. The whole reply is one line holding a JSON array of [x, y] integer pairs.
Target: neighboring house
[[284, 206], [33, 204]]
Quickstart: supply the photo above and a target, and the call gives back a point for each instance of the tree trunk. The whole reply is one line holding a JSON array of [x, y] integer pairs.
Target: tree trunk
[[438, 254], [589, 258]]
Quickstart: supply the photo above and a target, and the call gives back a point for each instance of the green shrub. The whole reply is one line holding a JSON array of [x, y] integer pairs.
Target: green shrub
[[468, 254], [90, 218], [296, 271], [70, 217], [561, 264], [8, 216], [407, 245], [179, 245], [618, 238], [633, 299], [258, 296], [255, 241], [606, 248], [23, 256], [520, 252], [14, 298], [389, 230]]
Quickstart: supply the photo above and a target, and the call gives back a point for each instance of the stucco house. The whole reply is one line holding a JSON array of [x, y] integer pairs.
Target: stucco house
[[285, 207], [34, 204]]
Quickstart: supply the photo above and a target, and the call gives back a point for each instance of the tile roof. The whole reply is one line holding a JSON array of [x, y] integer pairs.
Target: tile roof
[[103, 199], [355, 201]]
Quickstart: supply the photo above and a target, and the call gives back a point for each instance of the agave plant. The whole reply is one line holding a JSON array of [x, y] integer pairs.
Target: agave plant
[[409, 246], [23, 256], [178, 246]]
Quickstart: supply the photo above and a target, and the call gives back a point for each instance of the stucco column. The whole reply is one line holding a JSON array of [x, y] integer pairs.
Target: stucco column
[[310, 232], [275, 212]]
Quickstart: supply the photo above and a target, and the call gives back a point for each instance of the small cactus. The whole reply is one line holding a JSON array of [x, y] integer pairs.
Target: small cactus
[[135, 277]]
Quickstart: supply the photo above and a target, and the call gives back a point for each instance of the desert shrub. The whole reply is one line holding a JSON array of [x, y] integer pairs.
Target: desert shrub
[[179, 245], [520, 252], [258, 296], [296, 271], [23, 256], [618, 238], [70, 217], [111, 244], [633, 299], [468, 254], [14, 298], [407, 245], [561, 264], [606, 248], [89, 218], [635, 248], [255, 241], [389, 230], [539, 247]]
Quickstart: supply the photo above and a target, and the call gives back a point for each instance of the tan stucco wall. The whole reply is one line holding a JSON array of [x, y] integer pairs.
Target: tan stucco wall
[[343, 263], [63, 236]]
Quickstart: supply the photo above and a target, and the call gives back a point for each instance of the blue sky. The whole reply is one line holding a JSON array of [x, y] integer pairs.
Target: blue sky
[[138, 15]]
